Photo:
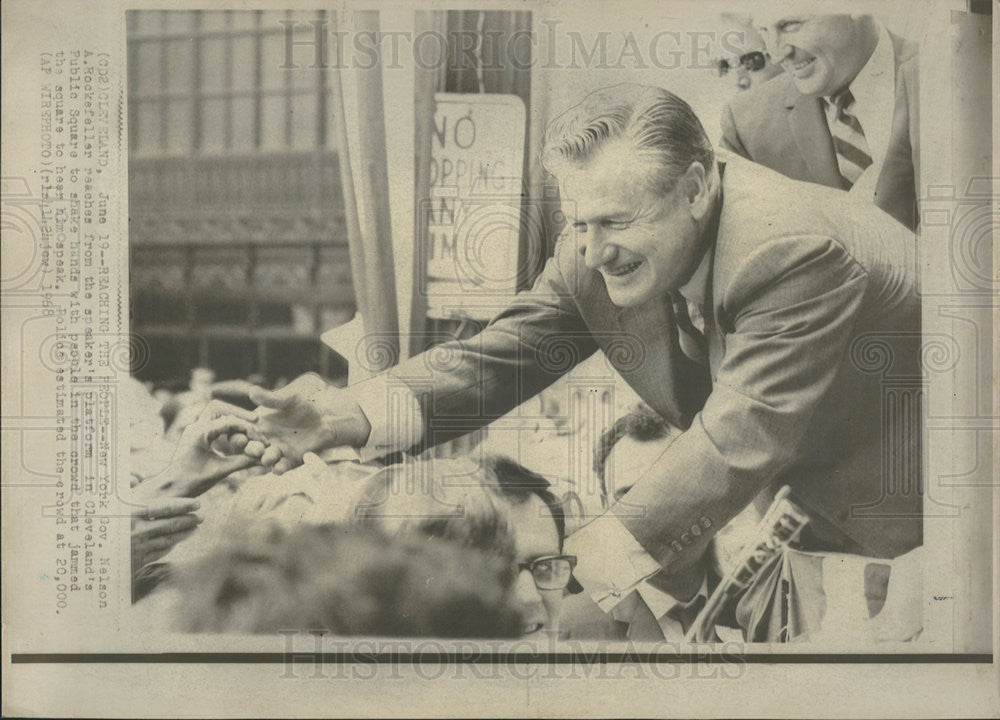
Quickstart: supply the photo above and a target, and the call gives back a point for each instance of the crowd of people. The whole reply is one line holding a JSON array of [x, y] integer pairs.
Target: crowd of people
[[467, 547], [746, 277]]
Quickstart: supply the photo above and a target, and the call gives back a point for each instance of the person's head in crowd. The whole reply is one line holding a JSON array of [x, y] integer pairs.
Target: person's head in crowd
[[496, 507], [745, 60], [626, 450], [822, 53], [346, 580], [639, 186]]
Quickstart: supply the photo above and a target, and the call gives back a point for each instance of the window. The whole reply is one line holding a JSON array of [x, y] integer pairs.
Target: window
[[239, 256]]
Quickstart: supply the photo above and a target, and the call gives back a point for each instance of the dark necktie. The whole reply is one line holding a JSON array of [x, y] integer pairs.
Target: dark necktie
[[687, 615], [692, 342], [853, 156]]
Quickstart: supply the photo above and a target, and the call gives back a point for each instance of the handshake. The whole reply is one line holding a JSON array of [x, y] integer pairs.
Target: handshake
[[305, 416]]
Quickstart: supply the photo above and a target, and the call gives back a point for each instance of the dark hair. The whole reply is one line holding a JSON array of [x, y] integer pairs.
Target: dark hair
[[445, 499], [641, 423], [518, 483], [656, 122], [347, 580], [460, 500]]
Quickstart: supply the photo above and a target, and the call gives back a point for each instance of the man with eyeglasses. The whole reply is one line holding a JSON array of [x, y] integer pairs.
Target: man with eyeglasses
[[844, 113], [495, 506]]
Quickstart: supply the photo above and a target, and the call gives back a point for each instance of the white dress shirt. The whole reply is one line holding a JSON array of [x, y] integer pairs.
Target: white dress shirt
[[694, 291], [661, 603]]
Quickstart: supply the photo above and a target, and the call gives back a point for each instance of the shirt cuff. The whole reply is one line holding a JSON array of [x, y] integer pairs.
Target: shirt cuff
[[393, 412], [610, 561]]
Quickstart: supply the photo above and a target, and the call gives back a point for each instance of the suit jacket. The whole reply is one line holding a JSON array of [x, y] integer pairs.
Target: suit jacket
[[582, 619], [776, 126], [812, 321]]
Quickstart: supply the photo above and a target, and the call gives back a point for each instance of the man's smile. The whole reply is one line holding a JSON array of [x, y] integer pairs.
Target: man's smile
[[798, 68], [625, 269]]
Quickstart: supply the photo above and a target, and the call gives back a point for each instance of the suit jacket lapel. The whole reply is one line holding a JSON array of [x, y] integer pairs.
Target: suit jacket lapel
[[812, 136]]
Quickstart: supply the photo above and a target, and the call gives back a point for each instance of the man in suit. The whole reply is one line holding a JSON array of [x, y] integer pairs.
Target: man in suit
[[622, 454], [758, 314], [507, 511], [844, 113]]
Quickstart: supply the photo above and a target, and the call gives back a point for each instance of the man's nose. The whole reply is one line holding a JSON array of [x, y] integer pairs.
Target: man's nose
[[595, 252], [526, 591], [777, 46]]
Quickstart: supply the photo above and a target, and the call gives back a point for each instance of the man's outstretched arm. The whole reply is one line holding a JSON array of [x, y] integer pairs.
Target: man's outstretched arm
[[445, 392]]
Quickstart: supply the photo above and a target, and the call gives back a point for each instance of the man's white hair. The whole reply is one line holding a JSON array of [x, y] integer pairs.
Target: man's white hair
[[654, 121]]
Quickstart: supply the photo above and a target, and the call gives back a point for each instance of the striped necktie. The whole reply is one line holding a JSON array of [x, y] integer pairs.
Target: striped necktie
[[853, 156]]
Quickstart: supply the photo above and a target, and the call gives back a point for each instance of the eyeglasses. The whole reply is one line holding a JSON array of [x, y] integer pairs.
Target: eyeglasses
[[552, 572], [754, 60]]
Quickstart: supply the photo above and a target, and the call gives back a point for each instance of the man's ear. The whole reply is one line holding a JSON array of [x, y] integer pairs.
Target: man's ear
[[697, 191], [574, 514]]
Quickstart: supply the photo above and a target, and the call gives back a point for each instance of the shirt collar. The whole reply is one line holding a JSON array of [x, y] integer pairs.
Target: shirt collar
[[879, 69], [876, 96], [694, 290], [660, 602], [874, 91]]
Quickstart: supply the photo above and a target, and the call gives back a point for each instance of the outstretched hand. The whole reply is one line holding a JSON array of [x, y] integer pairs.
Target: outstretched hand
[[306, 415], [159, 524], [221, 441]]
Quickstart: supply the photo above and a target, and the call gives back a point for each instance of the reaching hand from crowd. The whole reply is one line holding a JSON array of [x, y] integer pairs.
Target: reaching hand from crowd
[[159, 524], [223, 440], [220, 442]]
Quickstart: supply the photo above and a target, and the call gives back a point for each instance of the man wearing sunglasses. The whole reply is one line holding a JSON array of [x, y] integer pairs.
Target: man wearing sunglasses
[[844, 113], [752, 66]]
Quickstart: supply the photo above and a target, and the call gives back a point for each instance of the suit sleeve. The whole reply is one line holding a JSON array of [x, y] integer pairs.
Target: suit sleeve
[[730, 135], [791, 311], [463, 385]]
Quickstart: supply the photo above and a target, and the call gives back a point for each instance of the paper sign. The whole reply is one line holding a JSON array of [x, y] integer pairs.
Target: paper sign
[[474, 211]]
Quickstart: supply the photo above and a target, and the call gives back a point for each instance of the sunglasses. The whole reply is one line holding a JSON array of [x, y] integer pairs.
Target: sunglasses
[[552, 572], [754, 60]]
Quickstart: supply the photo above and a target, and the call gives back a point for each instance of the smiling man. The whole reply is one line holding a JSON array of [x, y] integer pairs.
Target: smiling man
[[844, 113], [747, 304]]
